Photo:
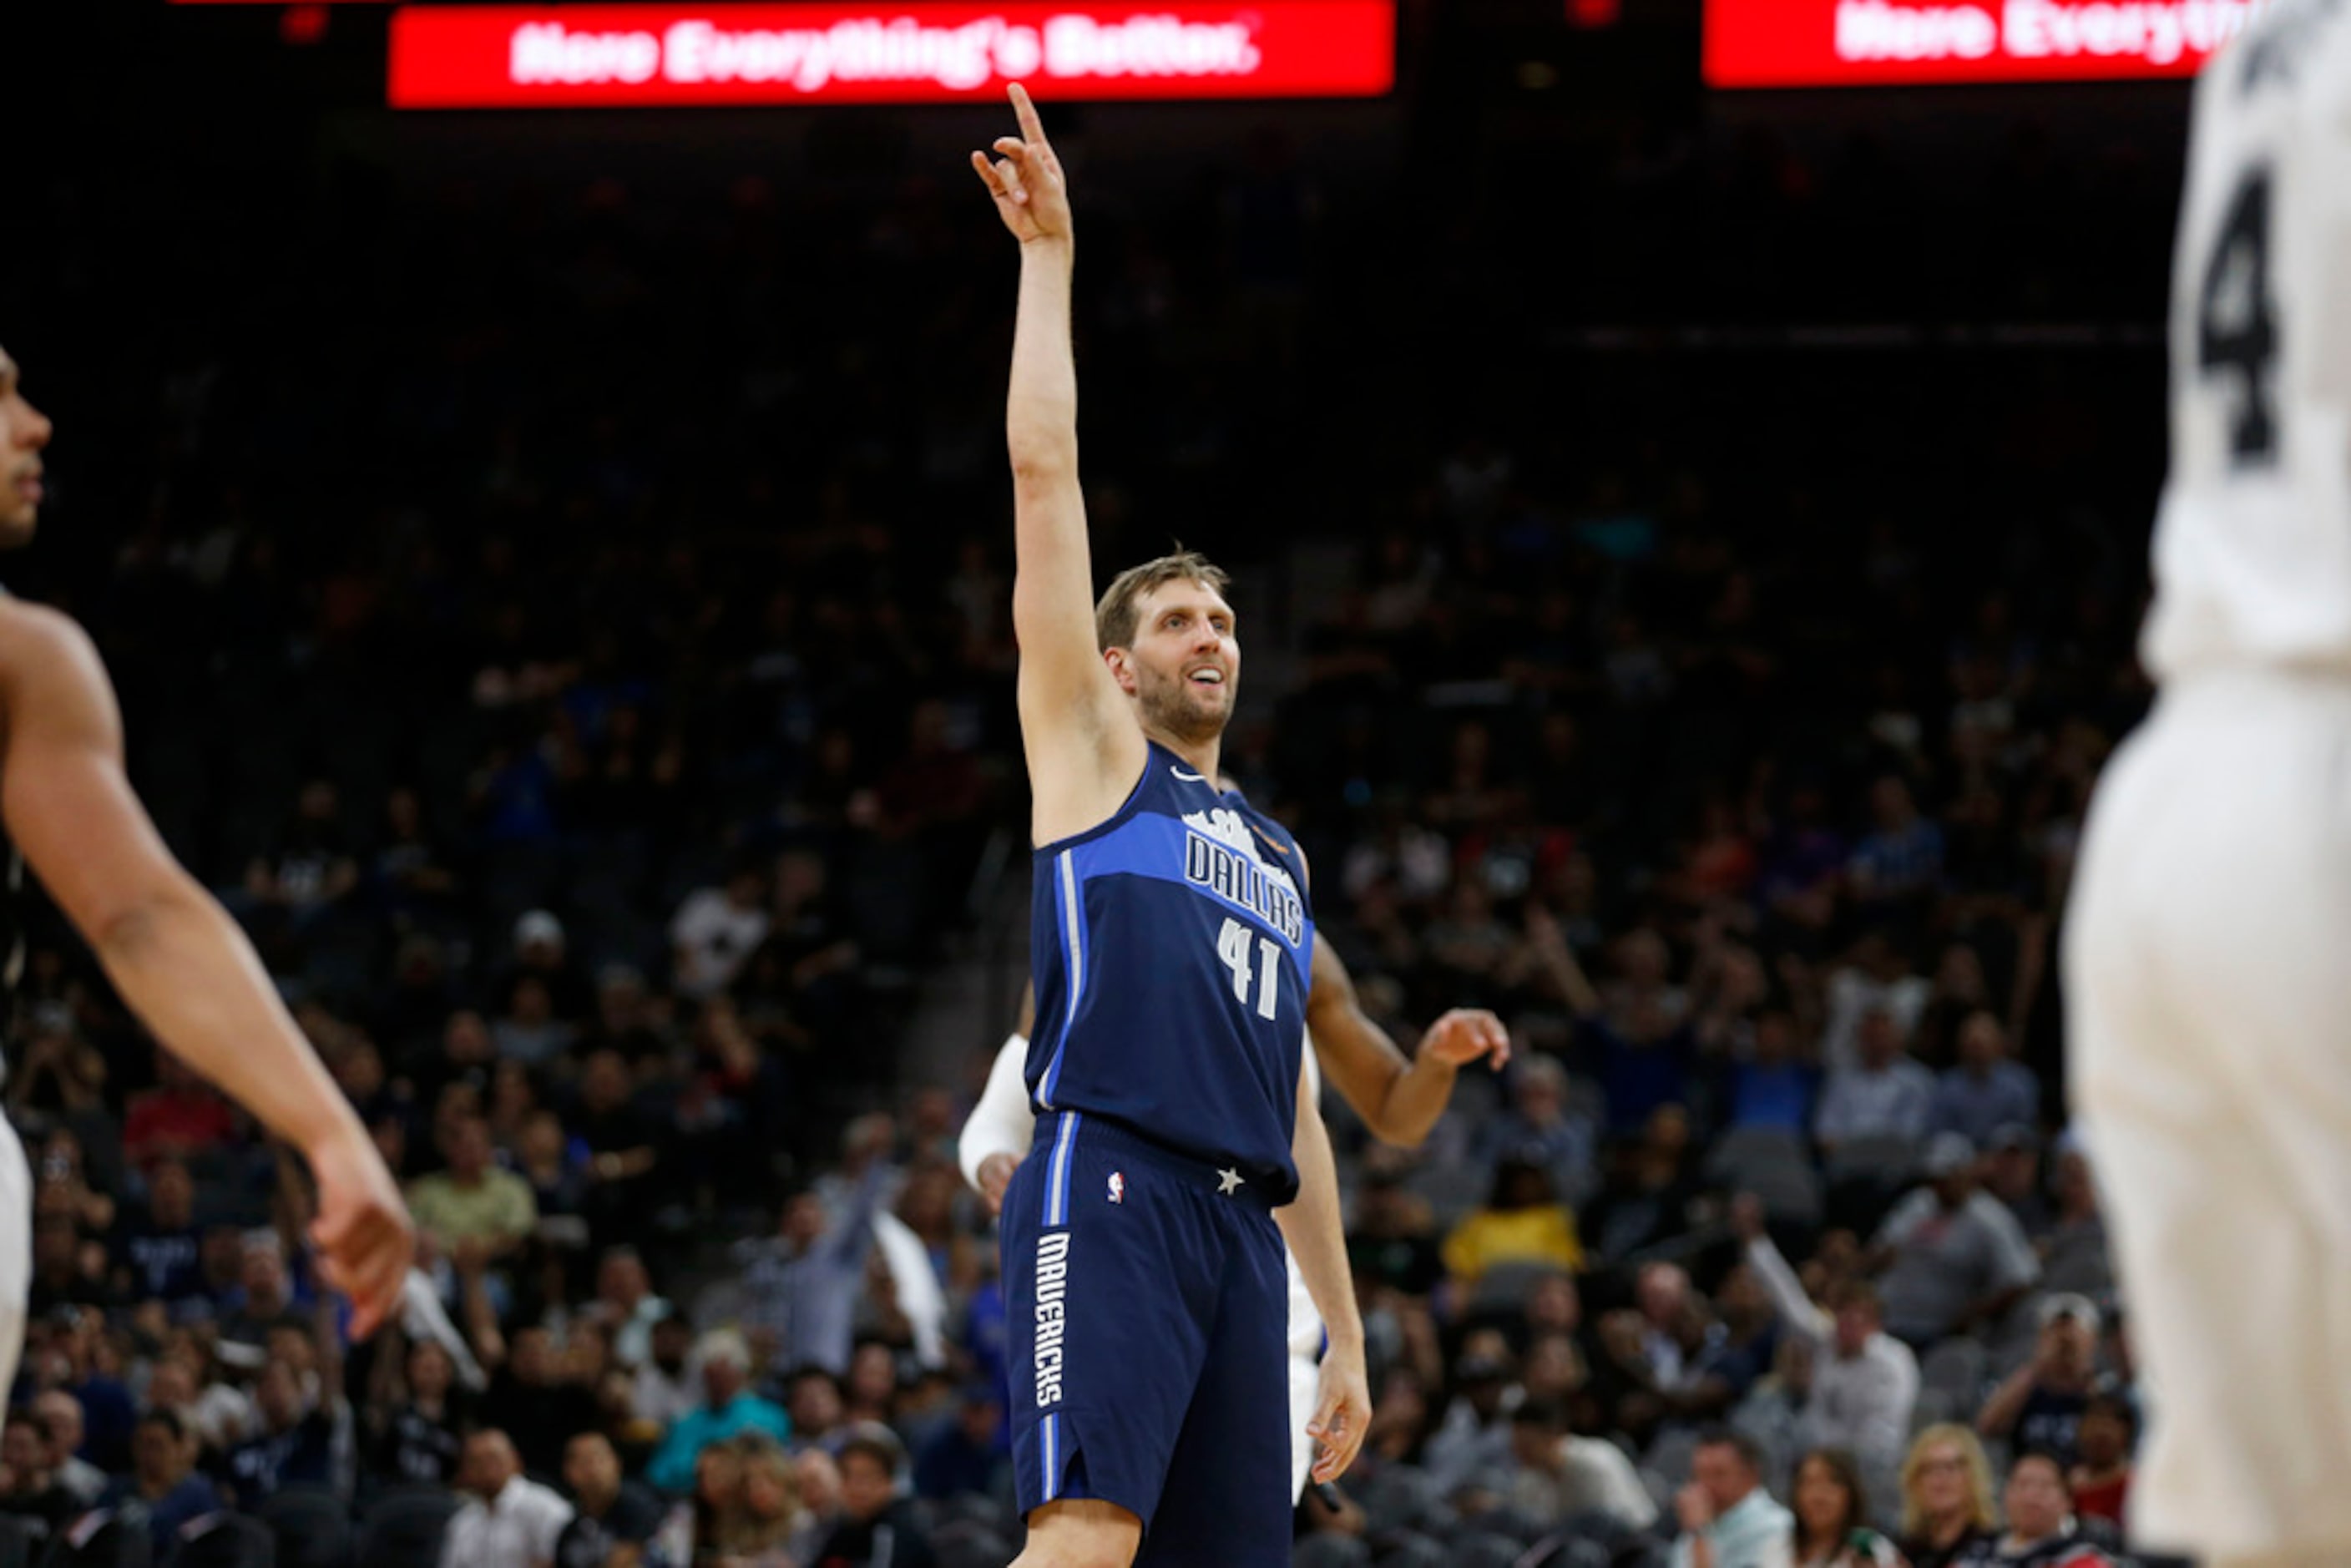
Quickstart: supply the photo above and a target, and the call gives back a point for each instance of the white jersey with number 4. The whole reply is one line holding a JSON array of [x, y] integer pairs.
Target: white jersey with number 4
[[2253, 545]]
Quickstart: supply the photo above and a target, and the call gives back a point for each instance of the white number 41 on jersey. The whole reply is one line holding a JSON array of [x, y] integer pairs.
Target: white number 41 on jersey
[[1233, 947]]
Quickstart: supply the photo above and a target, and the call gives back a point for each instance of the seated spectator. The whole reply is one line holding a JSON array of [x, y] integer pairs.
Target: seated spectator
[[1952, 1257], [2039, 1406], [1649, 1187], [662, 1389], [1728, 1519], [1883, 1094], [878, 1529], [625, 1304], [526, 1030], [768, 1526], [2073, 1255], [63, 1280], [1540, 1128], [613, 1520], [1560, 1475], [414, 1422], [60, 1416], [182, 1117], [476, 1213], [715, 930], [1898, 864], [1832, 1516], [2102, 1474], [623, 1148], [695, 1527], [966, 1457], [538, 1400], [1865, 1381], [1522, 1222], [266, 1298], [1472, 1440], [505, 1520], [2012, 1172], [816, 1409], [1947, 1508], [1393, 1243], [2042, 1531], [1774, 1088], [32, 1491], [729, 1407], [1985, 1090], [162, 1482], [159, 1253], [1875, 978], [293, 1447]]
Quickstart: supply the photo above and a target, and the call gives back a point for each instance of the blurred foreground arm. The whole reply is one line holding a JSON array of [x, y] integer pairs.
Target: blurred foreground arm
[[174, 955]]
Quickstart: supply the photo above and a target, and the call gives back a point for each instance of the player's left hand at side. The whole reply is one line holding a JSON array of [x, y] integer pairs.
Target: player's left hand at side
[[362, 1231], [1031, 197], [1466, 1034], [1343, 1412]]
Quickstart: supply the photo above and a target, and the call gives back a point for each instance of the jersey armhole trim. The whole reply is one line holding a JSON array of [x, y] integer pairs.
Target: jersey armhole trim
[[1125, 810]]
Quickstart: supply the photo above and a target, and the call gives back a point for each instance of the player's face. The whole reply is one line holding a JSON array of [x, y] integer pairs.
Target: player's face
[[1184, 666], [23, 432]]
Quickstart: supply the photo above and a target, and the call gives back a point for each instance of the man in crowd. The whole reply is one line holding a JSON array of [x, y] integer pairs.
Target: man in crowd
[[163, 1485], [1953, 1260], [1883, 1094], [293, 1447], [1728, 1519], [729, 1407], [877, 1528], [2039, 1406], [59, 1413], [611, 1519], [476, 1213], [507, 1520], [1865, 1381], [33, 1492], [1986, 1091]]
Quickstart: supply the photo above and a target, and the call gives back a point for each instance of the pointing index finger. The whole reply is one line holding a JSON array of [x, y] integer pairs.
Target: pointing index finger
[[1032, 130]]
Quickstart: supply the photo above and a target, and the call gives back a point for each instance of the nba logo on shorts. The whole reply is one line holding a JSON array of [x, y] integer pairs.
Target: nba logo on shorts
[[1118, 1186]]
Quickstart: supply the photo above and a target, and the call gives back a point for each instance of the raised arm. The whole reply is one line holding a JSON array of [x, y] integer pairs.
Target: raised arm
[[1398, 1100], [1084, 748], [171, 951]]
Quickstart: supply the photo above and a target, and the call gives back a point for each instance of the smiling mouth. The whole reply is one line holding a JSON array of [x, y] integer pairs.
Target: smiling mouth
[[1206, 675]]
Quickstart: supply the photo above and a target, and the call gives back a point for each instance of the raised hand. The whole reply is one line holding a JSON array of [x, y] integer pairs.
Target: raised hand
[[1031, 197], [1466, 1034]]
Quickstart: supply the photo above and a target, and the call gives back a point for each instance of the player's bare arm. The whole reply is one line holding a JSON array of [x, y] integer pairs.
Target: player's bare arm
[[1399, 1098], [1084, 746], [1317, 1237], [174, 955]]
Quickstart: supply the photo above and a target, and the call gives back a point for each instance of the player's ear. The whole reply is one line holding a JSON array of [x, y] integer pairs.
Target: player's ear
[[1122, 668]]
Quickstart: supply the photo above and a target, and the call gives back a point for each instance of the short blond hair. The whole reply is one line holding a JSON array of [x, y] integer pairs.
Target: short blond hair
[[1116, 613], [1980, 1513]]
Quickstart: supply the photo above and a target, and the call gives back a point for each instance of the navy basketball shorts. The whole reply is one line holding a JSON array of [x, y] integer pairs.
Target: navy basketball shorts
[[1147, 1308]]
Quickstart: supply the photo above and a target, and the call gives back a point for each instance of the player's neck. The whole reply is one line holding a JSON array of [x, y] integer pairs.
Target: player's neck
[[1201, 754]]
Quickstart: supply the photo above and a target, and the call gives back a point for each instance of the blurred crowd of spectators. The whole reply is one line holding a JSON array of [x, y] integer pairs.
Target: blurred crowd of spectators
[[572, 632]]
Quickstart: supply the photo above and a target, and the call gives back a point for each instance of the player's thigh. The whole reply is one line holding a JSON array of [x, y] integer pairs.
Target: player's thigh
[[16, 1249], [1080, 1532], [1228, 1497]]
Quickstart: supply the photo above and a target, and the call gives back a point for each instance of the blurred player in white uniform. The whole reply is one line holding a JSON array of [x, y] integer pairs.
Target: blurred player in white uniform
[[1398, 1100], [2207, 959]]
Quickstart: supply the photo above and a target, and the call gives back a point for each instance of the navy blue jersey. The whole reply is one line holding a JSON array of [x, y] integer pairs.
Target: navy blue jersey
[[1171, 947]]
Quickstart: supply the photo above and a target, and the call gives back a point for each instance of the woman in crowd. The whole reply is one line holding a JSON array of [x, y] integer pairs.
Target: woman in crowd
[[1945, 1497], [2041, 1528], [2101, 1481], [413, 1426], [1832, 1528], [762, 1529], [1522, 1222]]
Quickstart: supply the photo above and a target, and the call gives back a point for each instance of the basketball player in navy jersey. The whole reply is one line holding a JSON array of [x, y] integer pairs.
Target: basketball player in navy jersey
[[1175, 1151], [171, 951]]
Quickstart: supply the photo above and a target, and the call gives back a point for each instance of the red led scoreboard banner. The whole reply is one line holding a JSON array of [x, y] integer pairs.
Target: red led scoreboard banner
[[521, 57], [1854, 43]]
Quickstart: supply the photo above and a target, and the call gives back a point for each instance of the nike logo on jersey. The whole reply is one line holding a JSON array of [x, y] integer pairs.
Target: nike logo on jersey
[[1187, 778]]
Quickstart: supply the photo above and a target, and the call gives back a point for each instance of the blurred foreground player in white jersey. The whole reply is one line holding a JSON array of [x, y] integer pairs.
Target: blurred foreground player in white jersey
[[174, 953], [2208, 958], [1399, 1101]]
